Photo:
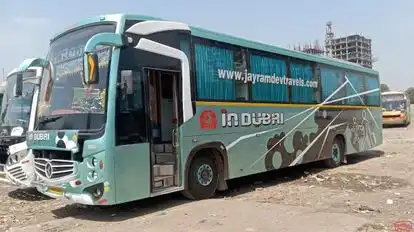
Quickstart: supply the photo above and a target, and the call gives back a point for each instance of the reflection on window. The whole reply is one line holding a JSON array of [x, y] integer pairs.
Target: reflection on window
[[331, 80], [77, 100], [131, 124], [131, 94], [354, 87]]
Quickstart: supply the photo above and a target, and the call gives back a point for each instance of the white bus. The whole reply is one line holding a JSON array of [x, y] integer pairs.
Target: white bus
[[16, 119]]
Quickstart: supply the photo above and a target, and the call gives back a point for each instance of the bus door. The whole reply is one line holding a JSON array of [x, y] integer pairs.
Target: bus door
[[164, 113]]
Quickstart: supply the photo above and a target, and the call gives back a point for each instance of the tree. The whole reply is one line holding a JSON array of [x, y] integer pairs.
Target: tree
[[384, 88], [410, 93]]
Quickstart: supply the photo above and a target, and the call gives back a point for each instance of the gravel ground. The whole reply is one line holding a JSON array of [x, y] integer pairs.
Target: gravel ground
[[370, 193]]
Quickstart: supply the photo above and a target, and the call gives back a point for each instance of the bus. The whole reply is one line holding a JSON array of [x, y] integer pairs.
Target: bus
[[132, 107], [19, 167], [396, 108], [14, 124]]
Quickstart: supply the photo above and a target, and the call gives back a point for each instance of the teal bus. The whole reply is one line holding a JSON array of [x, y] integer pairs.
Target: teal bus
[[132, 107]]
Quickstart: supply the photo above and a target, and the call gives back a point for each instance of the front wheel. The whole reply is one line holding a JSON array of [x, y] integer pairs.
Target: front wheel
[[337, 153], [202, 178]]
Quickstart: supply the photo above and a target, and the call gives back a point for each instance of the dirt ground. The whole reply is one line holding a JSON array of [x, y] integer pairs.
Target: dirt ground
[[370, 193]]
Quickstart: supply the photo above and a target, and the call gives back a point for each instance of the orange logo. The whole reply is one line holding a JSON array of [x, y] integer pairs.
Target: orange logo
[[208, 120]]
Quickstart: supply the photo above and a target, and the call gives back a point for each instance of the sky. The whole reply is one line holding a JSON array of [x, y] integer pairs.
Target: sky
[[27, 26]]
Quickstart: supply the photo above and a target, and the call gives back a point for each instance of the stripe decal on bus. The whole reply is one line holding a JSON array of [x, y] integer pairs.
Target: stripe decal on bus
[[284, 105]]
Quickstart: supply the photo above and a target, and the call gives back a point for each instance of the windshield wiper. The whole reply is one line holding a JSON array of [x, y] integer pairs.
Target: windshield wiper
[[48, 119]]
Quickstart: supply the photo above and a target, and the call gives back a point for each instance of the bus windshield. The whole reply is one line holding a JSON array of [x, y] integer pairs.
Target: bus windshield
[[64, 101], [392, 102], [394, 105], [15, 111]]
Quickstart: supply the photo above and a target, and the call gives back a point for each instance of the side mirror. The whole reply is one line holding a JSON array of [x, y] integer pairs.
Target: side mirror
[[91, 68], [18, 87], [90, 59]]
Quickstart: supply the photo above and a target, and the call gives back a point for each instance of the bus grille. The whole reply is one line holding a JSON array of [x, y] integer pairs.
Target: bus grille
[[17, 173], [54, 169]]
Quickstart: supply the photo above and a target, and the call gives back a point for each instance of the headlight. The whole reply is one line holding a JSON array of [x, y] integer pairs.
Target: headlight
[[22, 154], [17, 157], [9, 161]]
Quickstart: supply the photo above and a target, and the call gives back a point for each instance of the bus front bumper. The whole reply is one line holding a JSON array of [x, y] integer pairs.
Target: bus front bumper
[[59, 193], [21, 174], [394, 120], [96, 194]]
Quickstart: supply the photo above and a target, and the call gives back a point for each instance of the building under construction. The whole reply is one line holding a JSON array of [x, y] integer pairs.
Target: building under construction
[[310, 48], [353, 48]]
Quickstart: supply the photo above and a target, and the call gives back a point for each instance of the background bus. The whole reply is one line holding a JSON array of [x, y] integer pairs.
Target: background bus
[[396, 108], [14, 119], [186, 109]]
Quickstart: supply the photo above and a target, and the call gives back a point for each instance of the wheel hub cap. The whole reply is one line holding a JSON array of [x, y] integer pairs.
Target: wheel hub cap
[[205, 174], [335, 152]]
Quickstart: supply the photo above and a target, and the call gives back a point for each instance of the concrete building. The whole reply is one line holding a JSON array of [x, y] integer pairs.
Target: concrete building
[[353, 48], [310, 48]]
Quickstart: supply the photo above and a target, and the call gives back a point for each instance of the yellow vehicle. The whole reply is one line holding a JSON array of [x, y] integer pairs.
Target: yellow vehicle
[[396, 108]]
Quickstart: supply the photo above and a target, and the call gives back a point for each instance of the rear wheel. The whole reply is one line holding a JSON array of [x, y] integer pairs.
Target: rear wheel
[[202, 178], [337, 153]]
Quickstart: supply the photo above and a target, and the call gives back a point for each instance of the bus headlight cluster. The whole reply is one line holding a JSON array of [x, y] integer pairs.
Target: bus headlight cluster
[[95, 167], [94, 163], [22, 154], [92, 176], [91, 163], [17, 157]]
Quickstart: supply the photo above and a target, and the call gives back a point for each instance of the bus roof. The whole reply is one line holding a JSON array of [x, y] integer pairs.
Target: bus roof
[[15, 70], [239, 41], [393, 92]]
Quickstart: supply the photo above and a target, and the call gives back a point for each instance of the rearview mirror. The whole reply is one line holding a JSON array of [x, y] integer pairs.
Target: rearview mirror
[[91, 68], [18, 87]]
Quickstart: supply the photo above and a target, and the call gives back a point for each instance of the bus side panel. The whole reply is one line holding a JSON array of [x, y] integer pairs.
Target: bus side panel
[[304, 135], [364, 133], [132, 172]]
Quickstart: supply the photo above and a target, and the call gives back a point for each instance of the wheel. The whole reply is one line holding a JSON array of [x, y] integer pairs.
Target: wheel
[[202, 178], [337, 154]]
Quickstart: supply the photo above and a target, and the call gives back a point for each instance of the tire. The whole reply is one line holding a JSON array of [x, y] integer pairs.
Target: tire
[[337, 153], [199, 187]]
